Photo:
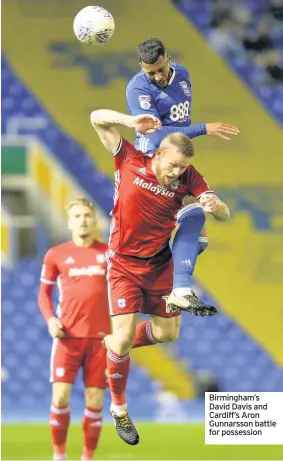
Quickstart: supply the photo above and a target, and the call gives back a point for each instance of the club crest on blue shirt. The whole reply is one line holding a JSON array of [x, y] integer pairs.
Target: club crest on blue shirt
[[185, 87], [145, 102]]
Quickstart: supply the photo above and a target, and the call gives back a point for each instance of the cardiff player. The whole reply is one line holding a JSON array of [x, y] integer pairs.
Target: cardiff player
[[149, 192], [79, 269]]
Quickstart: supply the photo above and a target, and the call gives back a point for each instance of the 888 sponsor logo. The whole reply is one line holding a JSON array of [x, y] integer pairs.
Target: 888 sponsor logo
[[180, 111]]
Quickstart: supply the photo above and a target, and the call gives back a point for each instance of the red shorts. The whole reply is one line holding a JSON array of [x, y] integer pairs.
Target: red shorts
[[140, 285], [69, 354]]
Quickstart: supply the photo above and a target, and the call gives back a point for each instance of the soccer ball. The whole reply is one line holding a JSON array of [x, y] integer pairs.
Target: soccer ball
[[94, 25]]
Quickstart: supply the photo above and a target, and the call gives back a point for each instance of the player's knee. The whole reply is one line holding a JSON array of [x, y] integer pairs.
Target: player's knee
[[167, 335], [192, 213], [173, 335], [122, 340], [94, 397], [123, 335], [123, 344], [61, 394], [60, 400]]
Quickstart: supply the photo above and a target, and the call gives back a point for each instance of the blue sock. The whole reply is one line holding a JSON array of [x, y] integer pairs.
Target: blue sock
[[185, 247]]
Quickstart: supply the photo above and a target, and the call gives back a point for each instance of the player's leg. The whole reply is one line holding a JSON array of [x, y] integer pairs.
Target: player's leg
[[118, 366], [64, 364], [185, 249], [164, 324], [95, 381], [157, 329], [191, 220], [119, 344], [164, 329], [125, 298], [60, 418], [92, 420], [202, 241]]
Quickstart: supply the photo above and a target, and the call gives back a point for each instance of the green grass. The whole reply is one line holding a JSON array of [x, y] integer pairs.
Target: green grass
[[158, 441]]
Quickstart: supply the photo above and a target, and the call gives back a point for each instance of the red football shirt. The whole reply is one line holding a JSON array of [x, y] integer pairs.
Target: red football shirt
[[144, 213], [80, 274]]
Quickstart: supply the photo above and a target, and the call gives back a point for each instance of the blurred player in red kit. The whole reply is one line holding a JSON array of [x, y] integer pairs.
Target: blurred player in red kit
[[149, 193], [79, 269]]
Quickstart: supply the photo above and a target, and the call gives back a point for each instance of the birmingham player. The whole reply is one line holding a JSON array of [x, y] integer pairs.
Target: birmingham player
[[163, 88], [149, 192], [79, 268]]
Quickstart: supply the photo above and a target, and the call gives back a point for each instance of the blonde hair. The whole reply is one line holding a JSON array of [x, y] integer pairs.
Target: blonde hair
[[181, 141], [80, 201]]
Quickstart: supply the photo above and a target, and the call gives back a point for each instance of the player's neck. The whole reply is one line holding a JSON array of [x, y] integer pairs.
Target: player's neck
[[83, 242]]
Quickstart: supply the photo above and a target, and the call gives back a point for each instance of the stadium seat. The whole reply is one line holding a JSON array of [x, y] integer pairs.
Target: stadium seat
[[220, 347], [18, 101], [199, 12]]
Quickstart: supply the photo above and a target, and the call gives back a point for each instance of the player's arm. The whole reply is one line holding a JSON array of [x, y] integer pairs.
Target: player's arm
[[49, 274], [200, 189], [106, 123], [217, 129], [139, 101]]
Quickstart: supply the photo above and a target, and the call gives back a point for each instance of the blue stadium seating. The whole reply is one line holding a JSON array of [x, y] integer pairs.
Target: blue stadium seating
[[218, 346], [18, 101], [199, 12]]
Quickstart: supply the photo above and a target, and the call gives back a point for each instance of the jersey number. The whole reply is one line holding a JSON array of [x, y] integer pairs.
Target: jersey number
[[179, 111]]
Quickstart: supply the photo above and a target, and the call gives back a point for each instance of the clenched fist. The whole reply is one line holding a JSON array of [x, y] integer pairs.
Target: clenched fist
[[209, 202], [55, 328], [146, 124]]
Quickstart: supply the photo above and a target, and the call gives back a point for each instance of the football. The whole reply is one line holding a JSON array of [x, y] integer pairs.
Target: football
[[94, 25]]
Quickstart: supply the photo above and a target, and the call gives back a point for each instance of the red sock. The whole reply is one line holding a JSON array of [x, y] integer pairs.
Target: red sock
[[59, 422], [92, 423], [118, 367], [144, 335]]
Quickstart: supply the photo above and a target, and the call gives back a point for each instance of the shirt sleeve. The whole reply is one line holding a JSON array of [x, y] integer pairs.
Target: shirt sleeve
[[197, 184], [126, 151], [139, 101], [49, 271]]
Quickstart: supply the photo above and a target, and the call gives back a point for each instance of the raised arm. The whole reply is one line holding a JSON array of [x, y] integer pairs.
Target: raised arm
[[105, 122]]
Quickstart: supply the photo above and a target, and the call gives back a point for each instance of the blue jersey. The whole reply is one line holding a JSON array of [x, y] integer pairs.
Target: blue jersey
[[172, 105]]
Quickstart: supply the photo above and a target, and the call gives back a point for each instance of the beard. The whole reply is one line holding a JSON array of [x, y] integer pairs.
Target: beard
[[84, 234], [162, 180]]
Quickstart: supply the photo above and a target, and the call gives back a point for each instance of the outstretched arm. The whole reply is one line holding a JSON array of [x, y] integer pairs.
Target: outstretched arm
[[105, 122], [140, 101], [218, 129]]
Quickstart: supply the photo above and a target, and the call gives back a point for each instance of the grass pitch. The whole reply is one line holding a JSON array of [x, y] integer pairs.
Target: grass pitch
[[157, 441]]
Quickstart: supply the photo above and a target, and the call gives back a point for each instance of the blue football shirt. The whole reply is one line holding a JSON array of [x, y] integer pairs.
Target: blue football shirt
[[172, 105]]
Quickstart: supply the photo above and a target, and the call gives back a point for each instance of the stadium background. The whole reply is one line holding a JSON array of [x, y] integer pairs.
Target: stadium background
[[50, 84]]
